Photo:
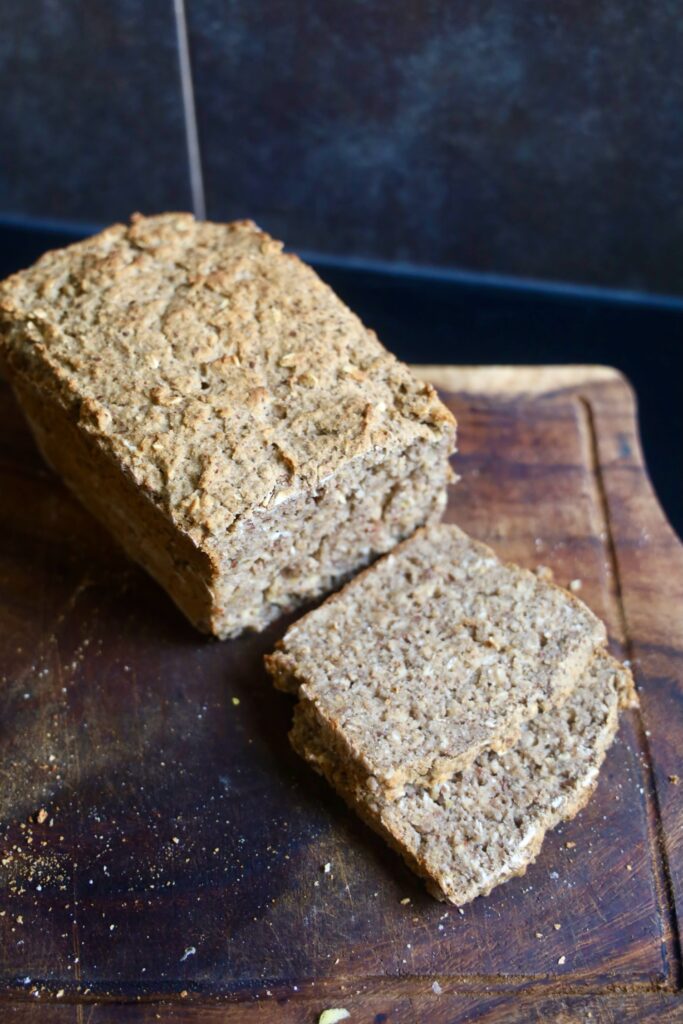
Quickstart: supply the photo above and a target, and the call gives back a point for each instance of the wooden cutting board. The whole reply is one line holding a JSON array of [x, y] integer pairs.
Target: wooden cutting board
[[163, 849]]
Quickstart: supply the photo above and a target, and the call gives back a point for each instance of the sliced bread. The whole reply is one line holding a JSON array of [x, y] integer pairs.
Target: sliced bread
[[436, 653], [482, 826]]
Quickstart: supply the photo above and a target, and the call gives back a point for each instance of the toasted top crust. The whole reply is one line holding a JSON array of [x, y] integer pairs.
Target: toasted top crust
[[218, 371], [435, 653]]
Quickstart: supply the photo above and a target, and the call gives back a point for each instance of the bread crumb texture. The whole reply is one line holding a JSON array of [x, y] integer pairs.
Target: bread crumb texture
[[435, 653], [481, 826]]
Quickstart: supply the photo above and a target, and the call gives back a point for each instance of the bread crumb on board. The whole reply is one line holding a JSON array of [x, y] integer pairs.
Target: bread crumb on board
[[333, 1015]]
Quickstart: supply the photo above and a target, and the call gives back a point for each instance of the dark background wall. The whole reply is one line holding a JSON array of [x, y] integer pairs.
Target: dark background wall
[[530, 139]]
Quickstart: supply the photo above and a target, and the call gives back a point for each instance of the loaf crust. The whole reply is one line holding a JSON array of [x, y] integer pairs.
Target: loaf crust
[[232, 403], [437, 652], [485, 825]]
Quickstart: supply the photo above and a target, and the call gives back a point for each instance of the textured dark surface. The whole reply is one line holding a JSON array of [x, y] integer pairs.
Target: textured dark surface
[[533, 139], [528, 139], [159, 838], [91, 115], [397, 1002]]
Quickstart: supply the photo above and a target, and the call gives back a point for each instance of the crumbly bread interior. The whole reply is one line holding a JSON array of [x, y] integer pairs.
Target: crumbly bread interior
[[284, 555], [436, 653], [472, 831]]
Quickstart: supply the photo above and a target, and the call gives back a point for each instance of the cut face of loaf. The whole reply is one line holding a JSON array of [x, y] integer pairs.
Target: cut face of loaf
[[480, 827], [236, 427], [436, 653]]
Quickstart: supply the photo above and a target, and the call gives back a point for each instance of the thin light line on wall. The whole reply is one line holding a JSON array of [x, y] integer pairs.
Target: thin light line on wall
[[194, 155]]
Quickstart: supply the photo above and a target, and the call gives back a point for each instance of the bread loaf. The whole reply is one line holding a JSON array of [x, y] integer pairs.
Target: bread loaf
[[230, 420]]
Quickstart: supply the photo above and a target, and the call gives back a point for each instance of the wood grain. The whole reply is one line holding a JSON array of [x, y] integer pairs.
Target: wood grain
[[161, 844], [514, 380]]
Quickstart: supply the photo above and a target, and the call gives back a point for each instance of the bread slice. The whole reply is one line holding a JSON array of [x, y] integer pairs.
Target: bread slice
[[437, 652], [480, 827], [222, 411]]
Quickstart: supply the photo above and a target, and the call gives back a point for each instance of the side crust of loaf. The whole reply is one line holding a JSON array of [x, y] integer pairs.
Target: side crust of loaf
[[463, 836], [113, 497]]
